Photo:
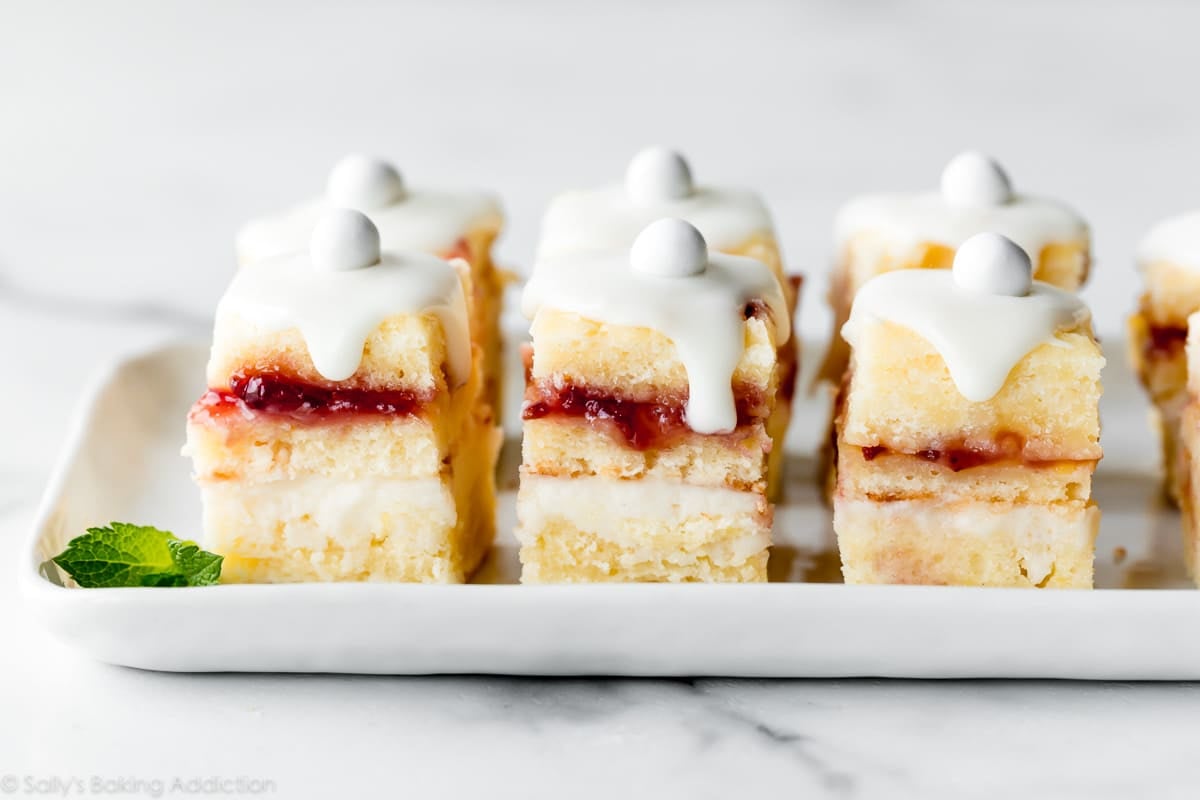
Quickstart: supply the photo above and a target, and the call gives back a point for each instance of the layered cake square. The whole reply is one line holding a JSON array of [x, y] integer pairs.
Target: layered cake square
[[344, 435], [1187, 442], [969, 429], [658, 183], [444, 223], [1169, 259], [653, 375], [879, 233]]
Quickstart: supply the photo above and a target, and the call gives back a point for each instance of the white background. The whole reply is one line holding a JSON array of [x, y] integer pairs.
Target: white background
[[136, 137]]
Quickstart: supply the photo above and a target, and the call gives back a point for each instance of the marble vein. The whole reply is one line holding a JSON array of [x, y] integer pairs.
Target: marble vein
[[84, 309]]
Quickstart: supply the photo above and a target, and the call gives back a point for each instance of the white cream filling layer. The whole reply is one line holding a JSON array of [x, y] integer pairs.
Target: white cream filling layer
[[312, 513]]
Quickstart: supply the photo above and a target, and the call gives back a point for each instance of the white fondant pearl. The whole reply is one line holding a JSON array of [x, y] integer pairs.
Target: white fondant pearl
[[973, 180], [658, 175], [989, 263], [669, 248], [343, 240], [364, 183]]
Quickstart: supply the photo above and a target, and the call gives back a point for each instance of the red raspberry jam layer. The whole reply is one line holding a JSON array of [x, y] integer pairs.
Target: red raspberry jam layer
[[1005, 447], [643, 425], [1165, 340], [276, 394], [955, 459]]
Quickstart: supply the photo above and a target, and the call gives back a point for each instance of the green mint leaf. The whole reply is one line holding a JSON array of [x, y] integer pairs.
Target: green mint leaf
[[200, 567], [137, 555]]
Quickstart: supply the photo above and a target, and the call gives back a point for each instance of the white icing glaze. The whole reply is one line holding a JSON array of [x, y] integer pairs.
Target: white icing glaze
[[980, 336], [702, 314], [669, 248], [419, 220], [905, 221], [972, 179], [1175, 240], [344, 239], [336, 310], [988, 263], [658, 175], [364, 183], [611, 217]]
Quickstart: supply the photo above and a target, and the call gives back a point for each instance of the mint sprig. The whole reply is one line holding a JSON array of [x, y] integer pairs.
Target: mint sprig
[[137, 555]]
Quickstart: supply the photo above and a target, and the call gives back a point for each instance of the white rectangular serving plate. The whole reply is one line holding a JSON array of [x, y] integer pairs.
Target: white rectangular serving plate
[[122, 463]]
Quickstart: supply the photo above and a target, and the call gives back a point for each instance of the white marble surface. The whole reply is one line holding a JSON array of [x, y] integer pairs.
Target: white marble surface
[[136, 136]]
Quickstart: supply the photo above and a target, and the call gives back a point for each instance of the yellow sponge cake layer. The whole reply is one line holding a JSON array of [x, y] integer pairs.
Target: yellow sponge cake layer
[[576, 447], [405, 352], [601, 529], [1048, 404], [966, 543], [639, 363], [886, 476]]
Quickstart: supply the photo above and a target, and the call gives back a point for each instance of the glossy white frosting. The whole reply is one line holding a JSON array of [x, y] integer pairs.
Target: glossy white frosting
[[701, 313], [980, 334], [409, 219], [658, 183], [336, 308], [1175, 240], [976, 196]]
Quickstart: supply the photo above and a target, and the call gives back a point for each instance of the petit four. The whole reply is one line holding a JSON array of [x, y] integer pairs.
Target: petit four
[[344, 435], [979, 472], [1187, 457], [880, 233], [653, 372], [1169, 258], [447, 224], [658, 183]]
